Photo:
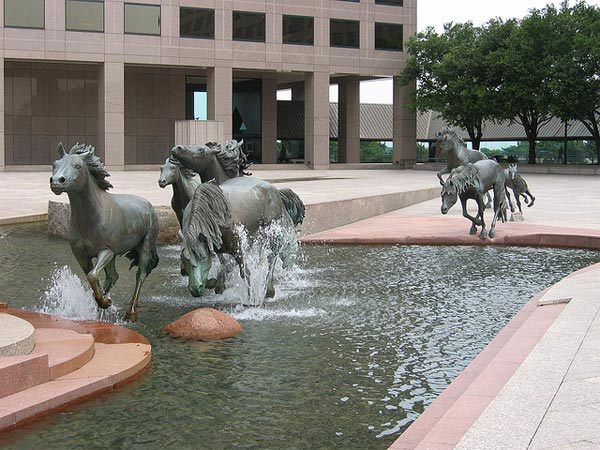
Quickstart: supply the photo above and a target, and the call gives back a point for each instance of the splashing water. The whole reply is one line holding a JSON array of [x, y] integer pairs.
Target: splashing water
[[274, 241], [69, 297]]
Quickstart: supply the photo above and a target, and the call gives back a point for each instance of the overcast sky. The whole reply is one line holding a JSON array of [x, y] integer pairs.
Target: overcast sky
[[436, 13]]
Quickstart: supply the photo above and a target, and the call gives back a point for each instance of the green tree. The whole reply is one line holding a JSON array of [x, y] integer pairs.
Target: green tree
[[374, 151], [451, 73], [577, 87], [522, 70]]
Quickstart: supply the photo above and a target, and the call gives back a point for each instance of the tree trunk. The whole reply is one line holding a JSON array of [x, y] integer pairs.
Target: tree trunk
[[597, 151], [531, 159]]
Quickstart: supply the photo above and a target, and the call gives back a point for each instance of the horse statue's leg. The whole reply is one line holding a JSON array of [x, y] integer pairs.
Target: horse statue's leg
[[220, 282], [532, 199], [488, 200], [444, 171], [111, 276], [104, 259], [147, 260], [270, 292], [510, 203], [480, 211], [465, 213], [517, 195]]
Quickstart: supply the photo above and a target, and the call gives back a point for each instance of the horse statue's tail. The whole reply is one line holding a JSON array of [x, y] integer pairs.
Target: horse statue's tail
[[134, 257], [293, 205]]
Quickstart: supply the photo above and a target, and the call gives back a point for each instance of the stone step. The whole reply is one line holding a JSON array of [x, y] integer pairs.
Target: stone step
[[111, 365], [67, 350], [16, 337], [18, 373]]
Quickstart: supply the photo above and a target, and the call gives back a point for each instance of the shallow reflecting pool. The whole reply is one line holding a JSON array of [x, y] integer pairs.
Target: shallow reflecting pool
[[358, 341]]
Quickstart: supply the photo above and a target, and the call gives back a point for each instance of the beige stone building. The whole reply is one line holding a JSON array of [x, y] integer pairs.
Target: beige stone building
[[118, 74]]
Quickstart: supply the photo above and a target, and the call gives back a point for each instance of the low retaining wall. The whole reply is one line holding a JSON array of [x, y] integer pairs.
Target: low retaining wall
[[553, 169], [319, 216]]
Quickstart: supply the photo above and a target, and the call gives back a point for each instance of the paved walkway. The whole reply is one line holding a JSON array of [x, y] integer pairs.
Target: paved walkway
[[535, 385]]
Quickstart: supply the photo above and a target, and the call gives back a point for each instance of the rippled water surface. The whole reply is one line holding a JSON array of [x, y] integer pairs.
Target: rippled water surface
[[357, 342]]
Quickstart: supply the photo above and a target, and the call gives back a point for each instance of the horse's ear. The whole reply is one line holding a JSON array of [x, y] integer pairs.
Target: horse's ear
[[60, 149]]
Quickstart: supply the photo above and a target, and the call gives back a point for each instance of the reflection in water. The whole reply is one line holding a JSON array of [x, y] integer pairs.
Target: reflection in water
[[357, 342]]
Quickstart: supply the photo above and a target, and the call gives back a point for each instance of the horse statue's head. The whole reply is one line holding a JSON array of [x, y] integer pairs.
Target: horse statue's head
[[449, 196], [512, 170], [201, 236], [69, 172], [448, 140], [195, 157], [172, 171]]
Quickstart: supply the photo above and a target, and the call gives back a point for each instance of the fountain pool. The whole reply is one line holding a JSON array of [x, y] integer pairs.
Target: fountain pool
[[357, 342]]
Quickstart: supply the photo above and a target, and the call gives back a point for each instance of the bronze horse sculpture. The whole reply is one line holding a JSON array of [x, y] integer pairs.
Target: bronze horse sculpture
[[472, 181], [213, 161], [103, 225], [184, 182], [519, 187], [451, 145], [210, 228]]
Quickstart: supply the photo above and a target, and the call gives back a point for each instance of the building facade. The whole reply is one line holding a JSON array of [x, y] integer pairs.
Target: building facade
[[118, 74]]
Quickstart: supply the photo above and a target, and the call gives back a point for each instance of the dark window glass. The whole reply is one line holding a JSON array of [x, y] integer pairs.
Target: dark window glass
[[84, 15], [298, 30], [354, 1], [388, 36], [197, 22], [389, 2], [142, 19], [248, 26], [344, 33], [24, 13]]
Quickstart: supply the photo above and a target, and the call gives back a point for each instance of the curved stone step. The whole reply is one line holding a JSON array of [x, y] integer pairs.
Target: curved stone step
[[67, 350], [18, 373], [111, 365], [16, 337]]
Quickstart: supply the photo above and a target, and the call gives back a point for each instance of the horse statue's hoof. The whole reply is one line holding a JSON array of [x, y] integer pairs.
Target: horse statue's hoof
[[270, 292], [483, 235], [104, 302], [473, 230], [131, 317], [492, 234]]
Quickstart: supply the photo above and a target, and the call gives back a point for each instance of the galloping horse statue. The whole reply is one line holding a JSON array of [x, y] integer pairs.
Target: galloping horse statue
[[210, 222], [450, 144], [184, 182], [472, 181], [104, 225], [519, 187], [212, 161]]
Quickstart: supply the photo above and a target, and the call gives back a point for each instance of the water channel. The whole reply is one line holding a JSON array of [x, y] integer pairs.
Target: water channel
[[357, 342]]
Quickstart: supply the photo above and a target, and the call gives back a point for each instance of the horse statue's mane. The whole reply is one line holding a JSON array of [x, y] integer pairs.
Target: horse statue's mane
[[188, 173], [453, 133], [93, 163], [231, 157], [209, 212], [465, 177], [293, 205]]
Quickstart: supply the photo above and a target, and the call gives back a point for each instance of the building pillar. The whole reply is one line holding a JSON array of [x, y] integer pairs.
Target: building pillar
[[269, 121], [316, 120], [349, 120], [2, 109], [219, 86], [111, 113], [405, 127]]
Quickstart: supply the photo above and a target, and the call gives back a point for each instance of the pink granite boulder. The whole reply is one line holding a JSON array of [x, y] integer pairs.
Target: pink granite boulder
[[206, 324]]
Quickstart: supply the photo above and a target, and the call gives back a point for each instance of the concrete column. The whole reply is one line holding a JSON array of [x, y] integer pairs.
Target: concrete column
[[111, 113], [349, 120], [219, 84], [405, 127], [316, 120], [269, 121], [2, 109]]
